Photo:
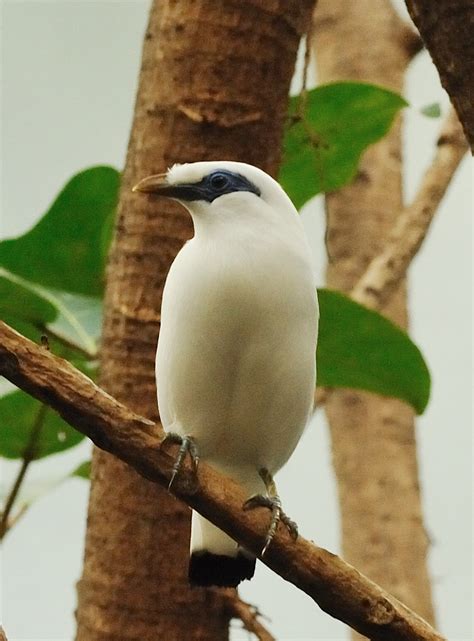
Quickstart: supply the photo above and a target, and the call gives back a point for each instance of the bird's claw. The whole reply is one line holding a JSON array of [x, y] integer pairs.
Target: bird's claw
[[187, 445], [273, 504]]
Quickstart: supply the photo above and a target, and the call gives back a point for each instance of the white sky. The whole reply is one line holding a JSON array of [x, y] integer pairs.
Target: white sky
[[68, 92]]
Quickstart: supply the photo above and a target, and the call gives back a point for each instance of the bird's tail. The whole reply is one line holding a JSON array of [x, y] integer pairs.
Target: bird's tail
[[216, 559]]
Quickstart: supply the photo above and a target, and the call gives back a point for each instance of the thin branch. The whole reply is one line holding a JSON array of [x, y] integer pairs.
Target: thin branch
[[387, 270], [28, 456], [338, 588], [247, 613], [18, 515], [11, 498]]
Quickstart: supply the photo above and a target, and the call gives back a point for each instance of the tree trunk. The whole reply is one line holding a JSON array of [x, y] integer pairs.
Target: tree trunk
[[213, 85], [447, 28], [373, 440]]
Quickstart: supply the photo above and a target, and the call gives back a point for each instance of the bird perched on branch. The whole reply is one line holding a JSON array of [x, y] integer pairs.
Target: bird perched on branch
[[235, 365]]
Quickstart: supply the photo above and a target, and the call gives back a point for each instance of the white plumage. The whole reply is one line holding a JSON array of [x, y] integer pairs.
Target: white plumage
[[235, 365]]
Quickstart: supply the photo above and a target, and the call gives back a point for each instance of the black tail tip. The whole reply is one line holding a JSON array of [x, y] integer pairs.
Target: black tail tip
[[206, 569]]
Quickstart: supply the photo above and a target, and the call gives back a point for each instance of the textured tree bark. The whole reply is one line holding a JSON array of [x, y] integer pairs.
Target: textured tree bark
[[213, 84], [373, 441], [447, 28]]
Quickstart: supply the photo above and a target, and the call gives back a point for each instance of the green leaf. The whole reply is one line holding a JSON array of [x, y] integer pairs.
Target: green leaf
[[359, 348], [23, 307], [431, 111], [18, 414], [83, 470], [18, 301], [79, 319], [66, 248], [35, 311], [321, 151]]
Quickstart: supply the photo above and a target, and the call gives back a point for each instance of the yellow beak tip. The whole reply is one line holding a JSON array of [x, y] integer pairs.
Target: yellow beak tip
[[150, 184]]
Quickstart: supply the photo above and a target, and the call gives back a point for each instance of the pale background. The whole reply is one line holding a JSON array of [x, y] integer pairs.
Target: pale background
[[69, 78]]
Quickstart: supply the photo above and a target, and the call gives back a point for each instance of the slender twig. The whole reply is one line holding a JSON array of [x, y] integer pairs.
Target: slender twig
[[21, 511], [4, 522], [247, 613], [28, 456], [338, 588], [18, 515]]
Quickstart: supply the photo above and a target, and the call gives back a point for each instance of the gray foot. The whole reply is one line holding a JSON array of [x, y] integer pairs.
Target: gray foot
[[187, 445], [272, 502]]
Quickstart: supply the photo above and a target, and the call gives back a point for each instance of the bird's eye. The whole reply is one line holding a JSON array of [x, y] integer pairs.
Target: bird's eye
[[219, 181]]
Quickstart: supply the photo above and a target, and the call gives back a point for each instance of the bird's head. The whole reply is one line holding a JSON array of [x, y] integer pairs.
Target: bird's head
[[213, 189]]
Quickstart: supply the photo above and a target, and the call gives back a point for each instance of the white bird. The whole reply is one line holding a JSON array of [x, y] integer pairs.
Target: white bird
[[235, 364]]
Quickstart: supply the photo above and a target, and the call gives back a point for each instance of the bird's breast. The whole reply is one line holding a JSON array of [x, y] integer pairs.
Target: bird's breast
[[236, 354]]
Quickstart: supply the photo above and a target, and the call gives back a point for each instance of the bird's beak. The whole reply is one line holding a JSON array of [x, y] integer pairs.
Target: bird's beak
[[156, 184]]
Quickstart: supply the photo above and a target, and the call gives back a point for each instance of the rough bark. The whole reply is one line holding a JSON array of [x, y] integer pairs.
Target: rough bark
[[447, 28], [335, 586], [373, 441], [213, 84]]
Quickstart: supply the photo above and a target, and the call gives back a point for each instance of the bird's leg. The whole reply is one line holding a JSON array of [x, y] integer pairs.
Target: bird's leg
[[187, 445], [272, 502]]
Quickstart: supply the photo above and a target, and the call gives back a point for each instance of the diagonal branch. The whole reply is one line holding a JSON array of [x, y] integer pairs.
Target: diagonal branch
[[27, 458], [338, 588], [247, 613], [386, 271]]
